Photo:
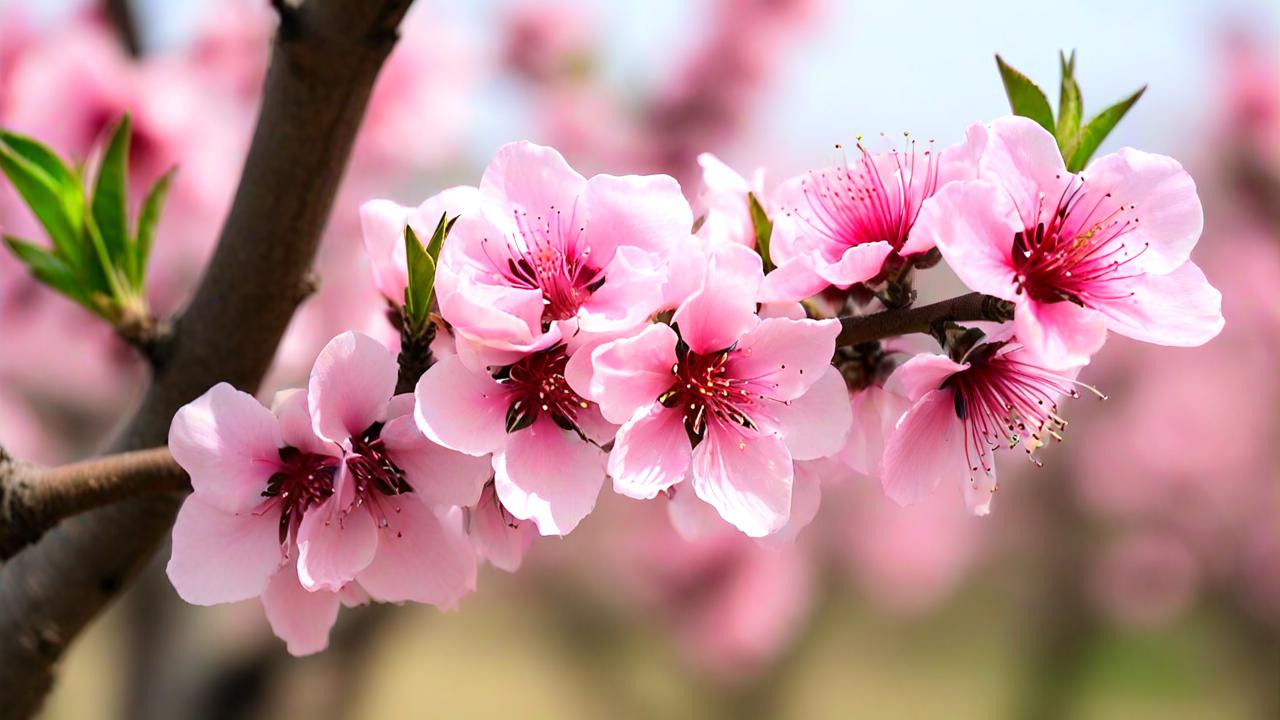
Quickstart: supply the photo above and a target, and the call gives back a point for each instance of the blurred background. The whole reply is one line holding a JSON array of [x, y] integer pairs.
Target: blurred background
[[1137, 575]]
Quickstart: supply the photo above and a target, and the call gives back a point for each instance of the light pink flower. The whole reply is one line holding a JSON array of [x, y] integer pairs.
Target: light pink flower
[[550, 248], [837, 226], [729, 400], [382, 223], [963, 412], [366, 506], [543, 435], [876, 411], [497, 536], [1078, 254], [723, 204]]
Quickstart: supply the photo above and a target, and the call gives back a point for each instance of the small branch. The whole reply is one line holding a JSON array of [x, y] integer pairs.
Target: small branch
[[33, 500], [120, 13], [973, 307]]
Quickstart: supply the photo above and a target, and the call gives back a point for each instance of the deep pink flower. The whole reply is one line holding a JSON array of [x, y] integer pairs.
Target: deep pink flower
[[729, 399], [836, 226], [543, 435], [367, 506], [1078, 254], [549, 248], [963, 412]]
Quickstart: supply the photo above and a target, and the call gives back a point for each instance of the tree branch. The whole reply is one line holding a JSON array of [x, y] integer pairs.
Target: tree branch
[[973, 307], [120, 14], [323, 65], [33, 500]]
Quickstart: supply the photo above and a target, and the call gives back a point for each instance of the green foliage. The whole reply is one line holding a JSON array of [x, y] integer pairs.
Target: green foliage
[[422, 262], [764, 229], [94, 259], [1076, 142]]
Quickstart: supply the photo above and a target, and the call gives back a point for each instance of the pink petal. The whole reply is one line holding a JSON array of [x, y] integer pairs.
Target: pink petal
[[532, 178], [795, 279], [973, 224], [382, 224], [858, 263], [786, 357], [439, 476], [980, 491], [496, 315], [1163, 199], [294, 415], [631, 293], [497, 537], [548, 475], [642, 211], [925, 373], [724, 307], [747, 479], [456, 201], [876, 412], [925, 448], [461, 409], [816, 424], [229, 444], [1024, 160], [693, 519], [793, 236], [631, 373], [806, 497], [1180, 308], [1059, 335], [334, 544], [299, 617], [422, 556], [351, 382], [650, 454], [221, 557]]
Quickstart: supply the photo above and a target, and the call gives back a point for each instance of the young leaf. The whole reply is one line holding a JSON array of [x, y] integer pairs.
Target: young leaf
[[46, 200], [764, 229], [437, 237], [41, 156], [109, 209], [1070, 106], [147, 219], [1025, 97], [1097, 130], [48, 269], [422, 277]]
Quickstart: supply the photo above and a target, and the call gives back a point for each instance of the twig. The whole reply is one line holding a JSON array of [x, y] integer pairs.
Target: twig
[[120, 14], [33, 500], [322, 71], [973, 307]]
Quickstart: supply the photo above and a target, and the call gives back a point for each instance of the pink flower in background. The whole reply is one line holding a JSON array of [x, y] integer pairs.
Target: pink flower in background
[[544, 437], [550, 248], [723, 206], [729, 400], [1078, 254], [1146, 579], [498, 537], [876, 412], [963, 412], [837, 226], [363, 506]]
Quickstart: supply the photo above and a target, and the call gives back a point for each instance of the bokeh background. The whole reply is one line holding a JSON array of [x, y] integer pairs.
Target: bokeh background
[[1137, 575]]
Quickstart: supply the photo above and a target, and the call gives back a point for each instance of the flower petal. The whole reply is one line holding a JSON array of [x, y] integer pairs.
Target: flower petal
[[631, 373], [532, 178], [785, 357], [816, 424], [461, 409], [382, 224], [422, 556], [973, 224], [229, 444], [221, 557], [650, 454], [1180, 308], [925, 448], [925, 373], [548, 475], [747, 479], [298, 616], [858, 263], [353, 378], [496, 536], [1024, 159], [632, 291], [643, 211], [724, 307], [335, 544], [795, 279], [1059, 335], [440, 477]]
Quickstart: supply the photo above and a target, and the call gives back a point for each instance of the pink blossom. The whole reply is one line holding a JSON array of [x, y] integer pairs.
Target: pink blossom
[[1078, 254], [837, 226], [340, 473], [543, 435], [962, 412], [723, 397], [382, 223], [723, 206], [497, 536], [550, 252]]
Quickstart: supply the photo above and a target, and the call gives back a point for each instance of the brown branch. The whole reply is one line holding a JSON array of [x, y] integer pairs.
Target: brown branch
[[973, 307], [120, 14], [323, 65], [33, 500]]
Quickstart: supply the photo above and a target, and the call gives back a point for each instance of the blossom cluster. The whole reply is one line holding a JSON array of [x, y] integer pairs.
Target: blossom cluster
[[593, 329]]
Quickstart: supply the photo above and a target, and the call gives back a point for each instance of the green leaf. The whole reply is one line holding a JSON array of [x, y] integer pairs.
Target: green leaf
[[1025, 97], [422, 277], [49, 269], [41, 156], [46, 199], [108, 279], [437, 237], [110, 212], [147, 219], [1070, 106], [764, 229], [1097, 130]]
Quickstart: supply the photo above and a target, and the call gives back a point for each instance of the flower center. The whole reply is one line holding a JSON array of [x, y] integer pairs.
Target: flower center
[[1003, 401], [704, 390], [855, 205], [1078, 253], [305, 480], [371, 468], [538, 386], [550, 254]]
